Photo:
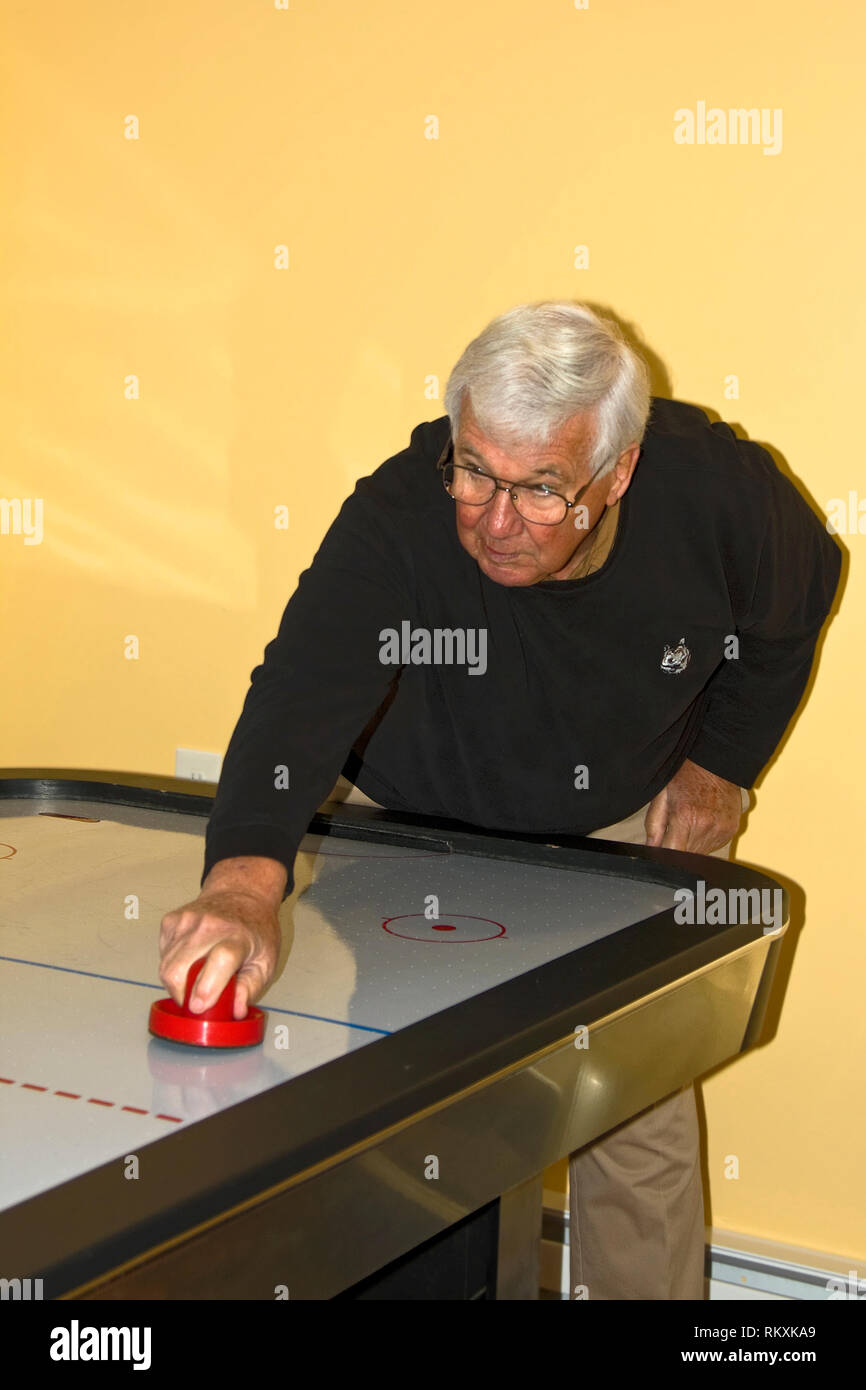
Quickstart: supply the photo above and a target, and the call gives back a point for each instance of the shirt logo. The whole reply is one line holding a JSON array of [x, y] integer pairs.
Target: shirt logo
[[676, 659]]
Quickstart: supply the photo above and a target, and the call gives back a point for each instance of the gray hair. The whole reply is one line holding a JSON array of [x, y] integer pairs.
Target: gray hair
[[537, 365]]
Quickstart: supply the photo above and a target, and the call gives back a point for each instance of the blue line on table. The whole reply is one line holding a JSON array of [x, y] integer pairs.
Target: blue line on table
[[143, 984]]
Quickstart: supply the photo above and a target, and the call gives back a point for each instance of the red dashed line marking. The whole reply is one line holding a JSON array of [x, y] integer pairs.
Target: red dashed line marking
[[91, 1100]]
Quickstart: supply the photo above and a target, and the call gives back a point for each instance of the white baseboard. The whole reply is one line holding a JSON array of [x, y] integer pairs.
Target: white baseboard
[[744, 1262], [739, 1266]]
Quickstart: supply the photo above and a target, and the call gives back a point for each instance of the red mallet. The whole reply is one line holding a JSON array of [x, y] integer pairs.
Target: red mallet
[[216, 1027]]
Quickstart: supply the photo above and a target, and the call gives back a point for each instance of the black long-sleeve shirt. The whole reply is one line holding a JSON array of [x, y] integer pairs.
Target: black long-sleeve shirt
[[575, 701]]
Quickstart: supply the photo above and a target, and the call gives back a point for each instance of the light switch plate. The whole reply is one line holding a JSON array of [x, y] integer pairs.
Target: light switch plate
[[193, 763]]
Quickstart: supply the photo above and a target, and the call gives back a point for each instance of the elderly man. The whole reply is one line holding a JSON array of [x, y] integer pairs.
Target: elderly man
[[650, 590]]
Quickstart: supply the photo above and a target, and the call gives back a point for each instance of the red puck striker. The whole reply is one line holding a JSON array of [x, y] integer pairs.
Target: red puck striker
[[216, 1027]]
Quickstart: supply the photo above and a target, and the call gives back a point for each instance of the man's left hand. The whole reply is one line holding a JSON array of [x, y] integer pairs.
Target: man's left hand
[[696, 811]]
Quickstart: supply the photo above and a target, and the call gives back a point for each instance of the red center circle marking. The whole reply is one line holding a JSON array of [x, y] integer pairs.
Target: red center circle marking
[[426, 924]]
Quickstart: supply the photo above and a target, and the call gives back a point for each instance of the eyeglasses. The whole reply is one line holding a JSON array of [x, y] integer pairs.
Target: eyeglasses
[[534, 502]]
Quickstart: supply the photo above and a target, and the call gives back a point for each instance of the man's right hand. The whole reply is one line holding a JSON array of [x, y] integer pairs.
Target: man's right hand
[[234, 923]]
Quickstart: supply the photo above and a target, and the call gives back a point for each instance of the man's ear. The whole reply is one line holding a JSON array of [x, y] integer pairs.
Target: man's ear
[[621, 474]]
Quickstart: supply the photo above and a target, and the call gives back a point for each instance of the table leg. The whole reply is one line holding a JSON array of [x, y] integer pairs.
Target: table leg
[[518, 1251]]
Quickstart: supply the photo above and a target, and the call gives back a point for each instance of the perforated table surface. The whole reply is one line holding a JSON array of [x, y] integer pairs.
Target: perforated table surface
[[423, 1015]]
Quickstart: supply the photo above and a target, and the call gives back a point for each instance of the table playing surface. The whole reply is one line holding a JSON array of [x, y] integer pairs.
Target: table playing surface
[[82, 1080], [390, 937]]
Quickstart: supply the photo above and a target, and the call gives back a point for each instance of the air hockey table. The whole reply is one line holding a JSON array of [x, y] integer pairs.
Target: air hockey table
[[453, 1011]]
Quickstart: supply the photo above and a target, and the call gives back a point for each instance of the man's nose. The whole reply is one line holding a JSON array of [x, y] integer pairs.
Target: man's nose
[[501, 514]]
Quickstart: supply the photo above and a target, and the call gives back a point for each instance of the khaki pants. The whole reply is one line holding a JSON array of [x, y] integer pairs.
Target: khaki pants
[[635, 1194]]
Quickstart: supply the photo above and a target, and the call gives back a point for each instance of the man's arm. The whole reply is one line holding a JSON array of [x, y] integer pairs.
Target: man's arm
[[696, 811], [319, 683], [233, 923], [782, 596], [263, 878]]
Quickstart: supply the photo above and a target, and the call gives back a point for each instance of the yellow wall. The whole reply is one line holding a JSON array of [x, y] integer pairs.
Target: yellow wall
[[426, 167]]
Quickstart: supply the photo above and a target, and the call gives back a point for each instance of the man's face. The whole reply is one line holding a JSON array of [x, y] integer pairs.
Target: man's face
[[508, 549]]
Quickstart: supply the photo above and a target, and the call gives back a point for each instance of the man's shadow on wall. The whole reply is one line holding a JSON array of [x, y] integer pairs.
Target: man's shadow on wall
[[661, 385]]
